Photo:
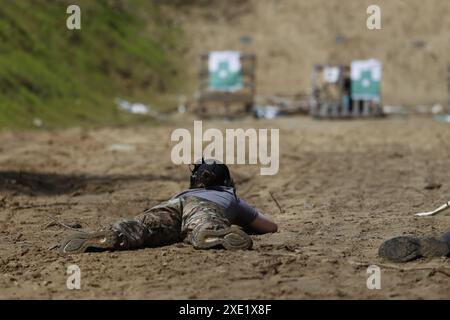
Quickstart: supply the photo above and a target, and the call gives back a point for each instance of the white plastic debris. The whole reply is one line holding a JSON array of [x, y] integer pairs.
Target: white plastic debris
[[181, 109], [38, 122], [122, 147], [267, 112], [395, 110], [182, 104], [434, 212], [136, 108], [437, 108]]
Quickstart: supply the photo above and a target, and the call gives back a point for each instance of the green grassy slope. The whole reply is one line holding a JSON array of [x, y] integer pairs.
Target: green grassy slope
[[124, 49]]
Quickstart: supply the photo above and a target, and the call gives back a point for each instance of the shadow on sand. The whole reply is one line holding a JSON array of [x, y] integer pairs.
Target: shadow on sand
[[30, 183]]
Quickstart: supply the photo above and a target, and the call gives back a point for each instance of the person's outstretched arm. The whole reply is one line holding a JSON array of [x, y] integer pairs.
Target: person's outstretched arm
[[263, 224], [253, 220]]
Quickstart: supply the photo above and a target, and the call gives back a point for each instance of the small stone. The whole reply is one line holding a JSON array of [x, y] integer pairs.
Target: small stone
[[432, 186]]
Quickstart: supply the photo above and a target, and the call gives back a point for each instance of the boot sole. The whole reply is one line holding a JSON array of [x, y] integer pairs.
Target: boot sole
[[85, 242], [232, 238], [407, 248]]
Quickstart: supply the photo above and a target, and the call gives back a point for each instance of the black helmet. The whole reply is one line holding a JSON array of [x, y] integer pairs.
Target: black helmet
[[210, 173]]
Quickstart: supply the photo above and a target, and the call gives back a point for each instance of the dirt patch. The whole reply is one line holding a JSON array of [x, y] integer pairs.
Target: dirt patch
[[343, 187]]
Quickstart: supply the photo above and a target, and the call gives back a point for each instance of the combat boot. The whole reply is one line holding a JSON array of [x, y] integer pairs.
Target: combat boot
[[230, 238], [407, 248], [123, 235], [106, 240]]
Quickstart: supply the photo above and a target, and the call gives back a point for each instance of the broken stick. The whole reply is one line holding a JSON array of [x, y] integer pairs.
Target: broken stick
[[276, 202]]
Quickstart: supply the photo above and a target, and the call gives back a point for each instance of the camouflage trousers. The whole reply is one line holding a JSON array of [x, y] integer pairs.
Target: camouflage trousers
[[172, 221]]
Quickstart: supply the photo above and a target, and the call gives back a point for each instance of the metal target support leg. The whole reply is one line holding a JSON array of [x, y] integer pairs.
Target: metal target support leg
[[366, 108], [355, 108], [334, 110]]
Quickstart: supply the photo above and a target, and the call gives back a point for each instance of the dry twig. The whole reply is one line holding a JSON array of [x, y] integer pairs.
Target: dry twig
[[56, 222], [276, 202]]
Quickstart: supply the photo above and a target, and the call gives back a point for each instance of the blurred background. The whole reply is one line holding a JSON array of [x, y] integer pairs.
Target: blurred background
[[148, 52]]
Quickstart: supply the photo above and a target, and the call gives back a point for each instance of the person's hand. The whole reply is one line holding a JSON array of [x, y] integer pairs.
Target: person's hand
[[263, 224]]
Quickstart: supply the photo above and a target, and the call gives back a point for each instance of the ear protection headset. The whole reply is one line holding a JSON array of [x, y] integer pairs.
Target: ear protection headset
[[194, 171], [216, 169]]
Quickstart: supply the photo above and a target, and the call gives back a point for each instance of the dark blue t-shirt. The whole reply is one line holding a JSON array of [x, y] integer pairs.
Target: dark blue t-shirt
[[237, 211]]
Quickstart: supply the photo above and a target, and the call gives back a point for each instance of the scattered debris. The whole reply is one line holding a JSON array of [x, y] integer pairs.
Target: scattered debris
[[181, 109], [38, 122], [122, 147], [308, 206], [53, 247], [245, 39], [182, 101], [340, 38], [395, 110], [290, 104], [18, 237], [270, 107], [72, 225], [276, 202], [266, 112], [434, 212], [432, 186], [442, 117], [427, 109], [418, 44], [137, 108], [437, 108]]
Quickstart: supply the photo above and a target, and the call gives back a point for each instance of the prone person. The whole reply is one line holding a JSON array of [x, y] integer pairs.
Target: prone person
[[207, 215]]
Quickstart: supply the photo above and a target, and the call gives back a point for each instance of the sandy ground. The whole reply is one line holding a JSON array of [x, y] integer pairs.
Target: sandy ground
[[343, 187]]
